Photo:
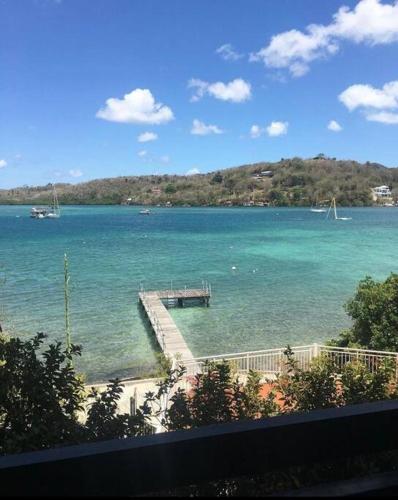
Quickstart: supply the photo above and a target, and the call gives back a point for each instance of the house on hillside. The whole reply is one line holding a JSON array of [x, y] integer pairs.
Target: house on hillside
[[381, 193], [264, 173]]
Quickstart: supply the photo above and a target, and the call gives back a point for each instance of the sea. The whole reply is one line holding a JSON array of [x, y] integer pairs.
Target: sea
[[278, 276]]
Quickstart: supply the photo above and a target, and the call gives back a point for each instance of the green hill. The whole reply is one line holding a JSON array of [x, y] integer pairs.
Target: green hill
[[289, 182]]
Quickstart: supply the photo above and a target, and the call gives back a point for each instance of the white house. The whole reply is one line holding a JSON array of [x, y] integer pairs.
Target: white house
[[382, 192], [264, 173]]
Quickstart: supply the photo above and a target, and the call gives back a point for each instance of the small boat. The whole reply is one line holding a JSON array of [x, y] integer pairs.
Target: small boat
[[53, 212], [333, 204], [318, 209], [145, 211], [38, 213]]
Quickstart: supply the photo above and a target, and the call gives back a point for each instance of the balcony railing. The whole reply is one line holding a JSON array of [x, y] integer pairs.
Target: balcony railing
[[150, 464]]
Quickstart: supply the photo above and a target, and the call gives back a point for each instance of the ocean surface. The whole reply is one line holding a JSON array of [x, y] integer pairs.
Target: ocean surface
[[278, 276]]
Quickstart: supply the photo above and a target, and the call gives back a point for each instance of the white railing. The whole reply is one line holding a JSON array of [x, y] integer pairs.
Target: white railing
[[273, 361], [171, 287]]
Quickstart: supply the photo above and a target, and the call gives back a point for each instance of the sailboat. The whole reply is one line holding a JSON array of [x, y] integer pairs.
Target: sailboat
[[333, 204], [317, 209], [55, 212]]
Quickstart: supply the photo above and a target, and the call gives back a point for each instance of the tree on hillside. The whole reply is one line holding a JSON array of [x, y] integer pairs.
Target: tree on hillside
[[170, 189], [217, 178], [374, 311]]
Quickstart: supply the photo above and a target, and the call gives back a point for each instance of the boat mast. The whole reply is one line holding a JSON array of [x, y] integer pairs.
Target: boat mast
[[55, 202], [334, 206]]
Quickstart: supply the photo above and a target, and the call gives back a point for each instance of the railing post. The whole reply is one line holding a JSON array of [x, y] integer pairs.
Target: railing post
[[396, 368], [133, 404], [315, 350], [247, 362]]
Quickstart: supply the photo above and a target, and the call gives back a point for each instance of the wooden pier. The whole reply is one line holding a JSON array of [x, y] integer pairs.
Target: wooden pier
[[169, 337]]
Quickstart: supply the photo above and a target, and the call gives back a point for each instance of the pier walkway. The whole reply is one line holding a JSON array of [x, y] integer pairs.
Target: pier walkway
[[169, 337]]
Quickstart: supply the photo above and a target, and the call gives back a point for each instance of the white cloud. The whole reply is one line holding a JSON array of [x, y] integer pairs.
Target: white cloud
[[75, 172], [383, 117], [138, 106], [200, 128], [255, 131], [193, 171], [273, 130], [277, 128], [376, 104], [147, 137], [371, 21], [334, 126], [227, 52], [142, 153], [366, 96], [200, 86], [3, 163], [295, 50], [237, 90]]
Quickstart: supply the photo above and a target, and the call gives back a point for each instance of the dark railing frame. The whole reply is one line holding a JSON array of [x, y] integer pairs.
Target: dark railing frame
[[147, 464]]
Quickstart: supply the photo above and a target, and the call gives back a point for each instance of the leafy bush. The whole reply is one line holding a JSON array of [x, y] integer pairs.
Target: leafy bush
[[41, 398], [374, 311]]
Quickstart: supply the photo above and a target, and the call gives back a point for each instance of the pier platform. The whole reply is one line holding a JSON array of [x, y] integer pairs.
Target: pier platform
[[169, 337]]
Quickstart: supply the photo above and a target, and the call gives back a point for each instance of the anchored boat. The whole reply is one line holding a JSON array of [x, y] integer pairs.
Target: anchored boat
[[54, 212], [38, 213]]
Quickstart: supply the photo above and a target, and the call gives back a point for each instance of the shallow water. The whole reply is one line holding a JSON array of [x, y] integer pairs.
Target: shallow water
[[294, 271]]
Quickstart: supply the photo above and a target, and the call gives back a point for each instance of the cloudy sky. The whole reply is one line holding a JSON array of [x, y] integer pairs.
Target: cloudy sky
[[92, 89]]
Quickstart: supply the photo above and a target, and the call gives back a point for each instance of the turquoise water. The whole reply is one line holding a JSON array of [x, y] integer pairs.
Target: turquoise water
[[294, 271]]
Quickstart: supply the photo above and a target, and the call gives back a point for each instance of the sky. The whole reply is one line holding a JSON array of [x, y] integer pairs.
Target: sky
[[104, 88]]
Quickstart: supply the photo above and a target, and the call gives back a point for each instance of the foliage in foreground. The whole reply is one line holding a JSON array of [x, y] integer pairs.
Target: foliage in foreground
[[374, 311], [42, 399], [217, 396], [326, 385]]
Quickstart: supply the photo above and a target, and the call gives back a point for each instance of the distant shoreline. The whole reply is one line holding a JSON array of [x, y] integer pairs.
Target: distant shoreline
[[140, 205], [293, 182]]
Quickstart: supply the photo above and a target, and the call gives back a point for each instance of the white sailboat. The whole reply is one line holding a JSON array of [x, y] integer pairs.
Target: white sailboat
[[55, 212], [317, 209], [333, 204]]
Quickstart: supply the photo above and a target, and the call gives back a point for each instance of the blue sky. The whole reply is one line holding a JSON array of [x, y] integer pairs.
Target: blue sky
[[215, 83]]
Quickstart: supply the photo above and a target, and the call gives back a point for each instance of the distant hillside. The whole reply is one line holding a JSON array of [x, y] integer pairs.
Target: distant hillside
[[287, 182]]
